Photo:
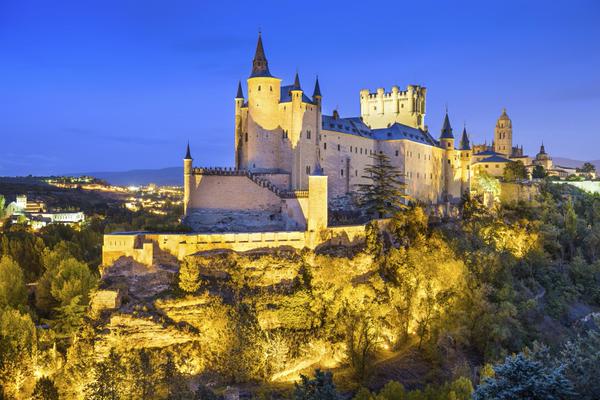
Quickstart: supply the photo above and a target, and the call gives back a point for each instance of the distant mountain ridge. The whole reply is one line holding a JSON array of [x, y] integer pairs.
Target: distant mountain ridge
[[172, 176], [569, 162]]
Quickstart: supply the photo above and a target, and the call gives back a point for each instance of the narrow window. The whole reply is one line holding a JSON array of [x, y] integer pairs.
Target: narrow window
[[324, 145], [246, 136], [342, 172], [259, 88], [396, 153], [338, 147]]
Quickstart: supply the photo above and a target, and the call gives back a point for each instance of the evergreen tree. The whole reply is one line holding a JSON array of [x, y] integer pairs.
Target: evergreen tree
[[189, 275], [105, 384], [384, 194], [44, 390], [538, 172], [521, 377], [319, 388], [12, 288]]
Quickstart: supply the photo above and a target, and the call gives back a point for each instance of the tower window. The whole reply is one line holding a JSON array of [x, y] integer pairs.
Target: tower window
[[355, 172], [307, 169], [259, 88], [271, 88], [338, 147], [324, 145], [341, 172], [308, 134], [396, 153], [246, 137]]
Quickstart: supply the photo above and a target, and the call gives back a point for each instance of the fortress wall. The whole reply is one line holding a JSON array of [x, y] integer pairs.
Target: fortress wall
[[182, 245], [512, 192], [282, 181], [230, 192], [295, 212]]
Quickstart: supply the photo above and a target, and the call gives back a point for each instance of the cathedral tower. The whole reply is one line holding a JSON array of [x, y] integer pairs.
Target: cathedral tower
[[239, 131], [503, 135]]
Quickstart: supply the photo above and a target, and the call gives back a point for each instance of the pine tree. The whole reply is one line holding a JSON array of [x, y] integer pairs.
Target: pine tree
[[319, 388], [521, 377], [105, 383], [44, 390], [384, 194], [189, 275]]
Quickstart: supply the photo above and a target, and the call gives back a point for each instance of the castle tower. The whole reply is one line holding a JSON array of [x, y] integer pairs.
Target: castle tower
[[263, 130], [503, 135], [465, 155], [239, 134], [447, 144], [187, 179], [318, 100], [296, 134]]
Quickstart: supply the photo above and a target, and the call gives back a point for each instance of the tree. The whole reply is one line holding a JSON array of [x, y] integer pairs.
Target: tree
[[581, 358], [189, 275], [17, 347], [321, 387], [72, 279], [105, 383], [587, 168], [515, 171], [384, 194], [12, 289], [538, 172], [2, 207], [45, 390], [361, 341], [521, 377]]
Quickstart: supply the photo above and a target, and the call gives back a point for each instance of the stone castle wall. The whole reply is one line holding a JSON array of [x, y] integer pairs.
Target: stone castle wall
[[182, 245]]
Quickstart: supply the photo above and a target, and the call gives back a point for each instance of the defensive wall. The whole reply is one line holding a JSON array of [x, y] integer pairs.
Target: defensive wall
[[144, 247]]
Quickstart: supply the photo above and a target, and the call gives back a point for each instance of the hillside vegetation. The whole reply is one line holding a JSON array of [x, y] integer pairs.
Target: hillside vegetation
[[421, 311]]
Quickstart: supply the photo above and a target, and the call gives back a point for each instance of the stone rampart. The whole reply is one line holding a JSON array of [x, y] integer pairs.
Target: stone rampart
[[143, 247]]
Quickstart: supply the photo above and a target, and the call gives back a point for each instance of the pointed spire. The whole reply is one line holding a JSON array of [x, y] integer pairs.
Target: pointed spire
[[542, 149], [260, 66], [447, 129], [240, 94], [465, 144], [317, 91], [296, 82], [188, 154]]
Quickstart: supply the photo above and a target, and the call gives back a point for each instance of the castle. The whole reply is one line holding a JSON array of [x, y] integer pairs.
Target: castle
[[285, 145], [293, 164]]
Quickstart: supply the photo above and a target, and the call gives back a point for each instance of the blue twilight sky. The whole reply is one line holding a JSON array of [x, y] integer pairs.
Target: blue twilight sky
[[121, 84]]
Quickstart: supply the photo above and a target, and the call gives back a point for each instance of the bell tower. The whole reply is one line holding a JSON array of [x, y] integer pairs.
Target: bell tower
[[503, 135]]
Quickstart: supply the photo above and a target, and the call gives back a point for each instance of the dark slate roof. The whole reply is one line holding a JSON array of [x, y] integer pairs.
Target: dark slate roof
[[487, 153], [240, 94], [465, 144], [286, 95], [188, 154], [260, 65], [317, 91], [297, 82], [446, 129], [399, 131], [495, 159], [355, 126], [352, 126]]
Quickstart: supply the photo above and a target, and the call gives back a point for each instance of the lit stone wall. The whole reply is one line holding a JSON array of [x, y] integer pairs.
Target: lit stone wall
[[231, 192], [182, 245], [381, 109], [343, 159]]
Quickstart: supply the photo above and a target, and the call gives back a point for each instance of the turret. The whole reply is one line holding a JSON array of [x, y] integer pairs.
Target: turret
[[465, 144], [187, 178], [238, 133], [446, 137], [317, 93]]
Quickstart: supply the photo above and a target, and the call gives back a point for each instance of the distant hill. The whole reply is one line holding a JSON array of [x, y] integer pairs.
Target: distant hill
[[172, 176], [568, 162]]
